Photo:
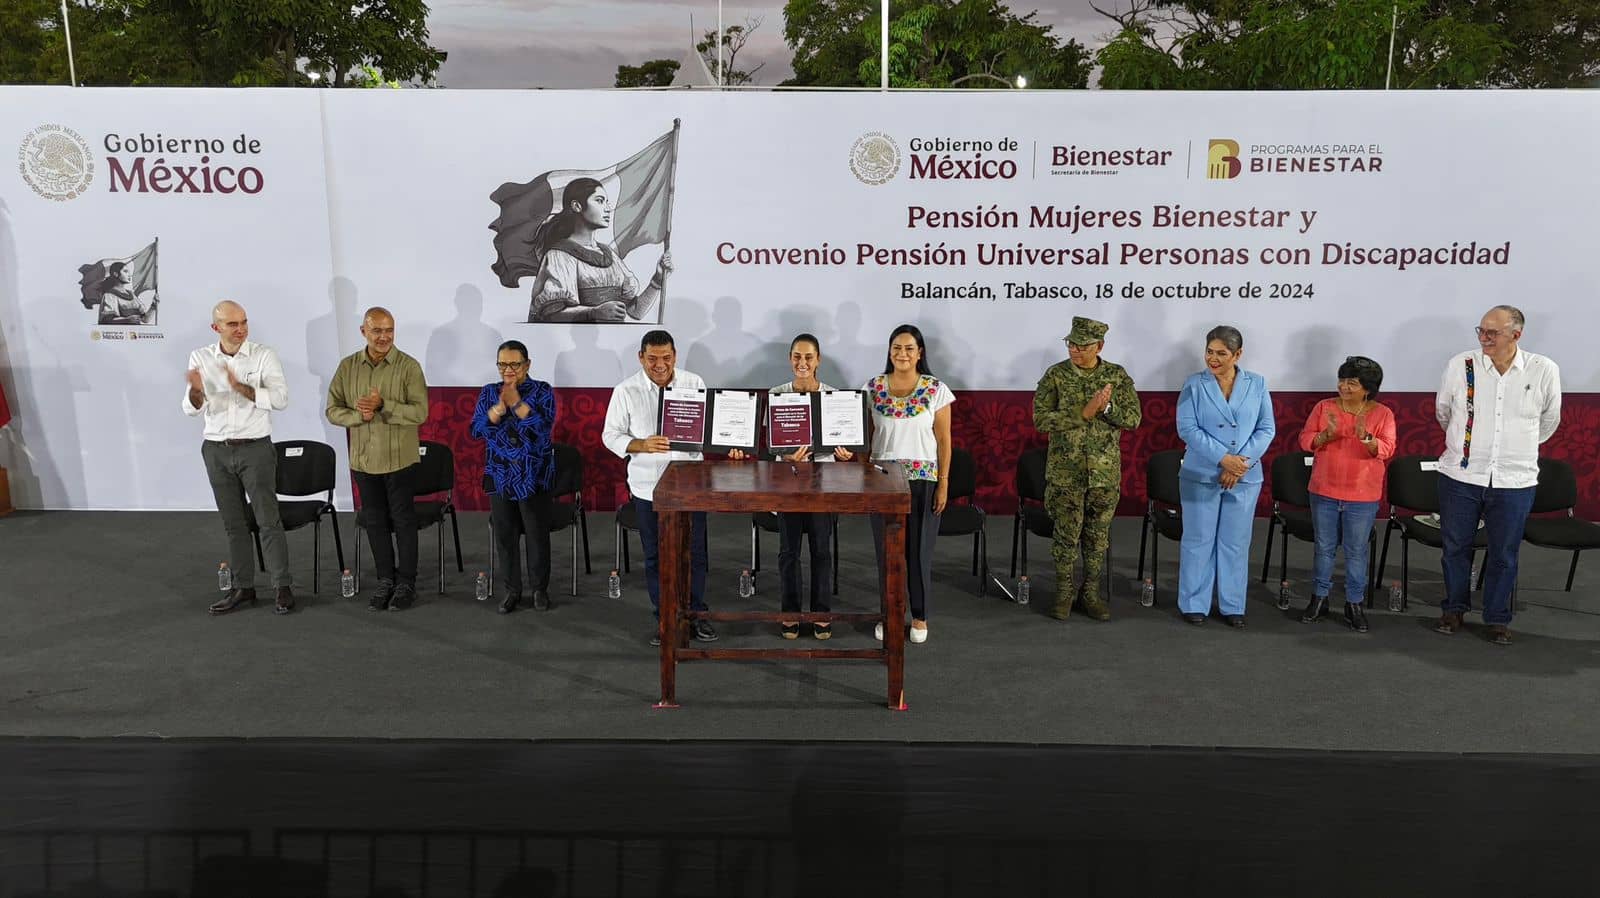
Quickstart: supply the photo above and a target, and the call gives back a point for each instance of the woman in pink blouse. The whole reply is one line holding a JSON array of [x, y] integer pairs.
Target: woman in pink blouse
[[1352, 437]]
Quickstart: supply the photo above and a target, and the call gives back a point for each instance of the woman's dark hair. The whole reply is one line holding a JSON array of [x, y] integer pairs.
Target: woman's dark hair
[[1365, 370], [515, 346], [1227, 335], [806, 338], [560, 225], [922, 350]]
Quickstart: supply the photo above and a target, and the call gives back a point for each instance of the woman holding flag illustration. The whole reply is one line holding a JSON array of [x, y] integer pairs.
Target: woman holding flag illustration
[[581, 279]]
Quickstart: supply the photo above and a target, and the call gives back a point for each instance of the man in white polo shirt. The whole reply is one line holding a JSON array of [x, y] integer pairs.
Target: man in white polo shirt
[[236, 385], [1497, 404], [631, 432]]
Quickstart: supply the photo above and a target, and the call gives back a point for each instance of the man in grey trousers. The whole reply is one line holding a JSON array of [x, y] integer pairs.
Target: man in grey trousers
[[236, 384]]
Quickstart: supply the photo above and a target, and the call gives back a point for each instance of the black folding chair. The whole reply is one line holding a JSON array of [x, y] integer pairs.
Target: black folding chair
[[1414, 487], [568, 485], [435, 477], [1291, 512], [1163, 516], [1031, 517], [962, 518], [1558, 491], [626, 521], [305, 468]]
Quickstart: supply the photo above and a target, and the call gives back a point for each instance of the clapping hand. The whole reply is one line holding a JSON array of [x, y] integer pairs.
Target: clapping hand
[[1361, 427], [1097, 403], [196, 382], [368, 404], [509, 397]]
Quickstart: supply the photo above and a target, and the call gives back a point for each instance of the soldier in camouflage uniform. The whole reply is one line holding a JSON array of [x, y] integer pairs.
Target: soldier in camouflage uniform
[[1083, 404]]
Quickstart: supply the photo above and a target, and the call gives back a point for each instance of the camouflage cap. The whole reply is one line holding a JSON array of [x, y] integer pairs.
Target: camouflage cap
[[1086, 331]]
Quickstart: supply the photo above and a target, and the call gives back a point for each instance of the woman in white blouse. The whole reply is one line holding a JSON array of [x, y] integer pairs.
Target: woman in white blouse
[[911, 427], [580, 278]]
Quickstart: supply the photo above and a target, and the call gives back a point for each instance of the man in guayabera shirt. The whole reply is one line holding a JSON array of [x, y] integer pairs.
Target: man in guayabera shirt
[[1083, 404], [380, 396]]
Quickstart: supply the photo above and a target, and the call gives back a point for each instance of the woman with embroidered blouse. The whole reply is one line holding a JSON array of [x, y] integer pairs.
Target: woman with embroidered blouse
[[581, 279], [516, 418], [911, 427]]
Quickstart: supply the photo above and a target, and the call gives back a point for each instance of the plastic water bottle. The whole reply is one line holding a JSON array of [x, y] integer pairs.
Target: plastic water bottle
[[1147, 593], [224, 577], [481, 588], [613, 586], [1283, 595], [747, 584], [347, 584], [1023, 588], [1397, 597]]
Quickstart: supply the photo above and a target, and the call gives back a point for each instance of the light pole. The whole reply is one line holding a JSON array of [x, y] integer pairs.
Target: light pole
[[66, 27]]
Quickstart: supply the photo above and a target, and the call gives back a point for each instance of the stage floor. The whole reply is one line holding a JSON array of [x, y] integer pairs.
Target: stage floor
[[107, 635]]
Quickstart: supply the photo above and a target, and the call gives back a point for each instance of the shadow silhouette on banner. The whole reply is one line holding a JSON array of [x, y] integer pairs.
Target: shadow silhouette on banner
[[457, 350], [32, 469]]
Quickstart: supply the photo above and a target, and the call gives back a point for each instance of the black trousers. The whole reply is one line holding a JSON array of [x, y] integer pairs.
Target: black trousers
[[922, 529], [389, 514], [511, 519], [791, 526]]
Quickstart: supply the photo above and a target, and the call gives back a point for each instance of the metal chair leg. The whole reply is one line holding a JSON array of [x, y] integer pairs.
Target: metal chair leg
[[316, 555], [1016, 534], [338, 544], [1572, 569], [574, 561], [1266, 559], [583, 522], [440, 540], [491, 558]]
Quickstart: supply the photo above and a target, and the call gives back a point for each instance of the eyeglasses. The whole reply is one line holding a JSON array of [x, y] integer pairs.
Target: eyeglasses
[[1494, 335], [509, 366]]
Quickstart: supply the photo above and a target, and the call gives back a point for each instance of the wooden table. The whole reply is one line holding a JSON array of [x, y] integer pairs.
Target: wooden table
[[759, 486]]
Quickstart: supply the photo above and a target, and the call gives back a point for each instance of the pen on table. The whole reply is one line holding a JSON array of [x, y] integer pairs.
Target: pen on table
[[794, 470], [881, 468]]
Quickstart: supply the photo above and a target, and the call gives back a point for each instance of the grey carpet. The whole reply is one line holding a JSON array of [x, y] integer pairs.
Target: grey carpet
[[105, 634]]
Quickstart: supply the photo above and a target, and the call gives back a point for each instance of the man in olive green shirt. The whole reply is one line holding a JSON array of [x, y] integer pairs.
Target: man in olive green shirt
[[379, 394]]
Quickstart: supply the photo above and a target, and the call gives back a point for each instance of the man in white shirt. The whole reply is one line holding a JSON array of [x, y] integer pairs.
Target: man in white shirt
[[236, 384], [1497, 405], [631, 432]]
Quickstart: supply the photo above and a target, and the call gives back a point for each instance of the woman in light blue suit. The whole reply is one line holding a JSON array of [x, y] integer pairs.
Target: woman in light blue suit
[[1225, 422]]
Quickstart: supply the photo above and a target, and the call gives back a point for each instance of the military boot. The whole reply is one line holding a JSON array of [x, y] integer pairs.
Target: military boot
[[1094, 605], [1062, 609]]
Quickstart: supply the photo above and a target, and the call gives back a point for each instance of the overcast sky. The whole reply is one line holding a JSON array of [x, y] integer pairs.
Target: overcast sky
[[580, 43]]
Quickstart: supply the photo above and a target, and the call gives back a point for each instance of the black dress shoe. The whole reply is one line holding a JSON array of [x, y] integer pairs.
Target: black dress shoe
[[1196, 619], [1316, 610], [509, 603], [1356, 616], [285, 603], [404, 595], [541, 600], [381, 596], [1235, 621], [703, 631], [233, 600]]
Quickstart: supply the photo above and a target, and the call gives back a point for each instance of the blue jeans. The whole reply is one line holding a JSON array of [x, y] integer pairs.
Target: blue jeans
[[649, 530], [1336, 522], [1504, 512]]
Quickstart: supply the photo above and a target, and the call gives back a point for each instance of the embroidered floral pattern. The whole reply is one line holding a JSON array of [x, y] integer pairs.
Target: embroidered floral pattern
[[919, 469], [910, 406]]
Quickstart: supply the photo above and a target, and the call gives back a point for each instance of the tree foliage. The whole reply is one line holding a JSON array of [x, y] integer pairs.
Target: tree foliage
[[932, 43], [1329, 44], [651, 73], [217, 42], [734, 37]]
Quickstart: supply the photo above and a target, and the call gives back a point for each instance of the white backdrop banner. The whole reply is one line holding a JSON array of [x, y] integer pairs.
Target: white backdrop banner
[[1321, 225]]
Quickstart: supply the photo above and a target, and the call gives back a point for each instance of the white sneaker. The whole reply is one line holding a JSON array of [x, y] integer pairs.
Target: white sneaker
[[919, 636], [877, 632]]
